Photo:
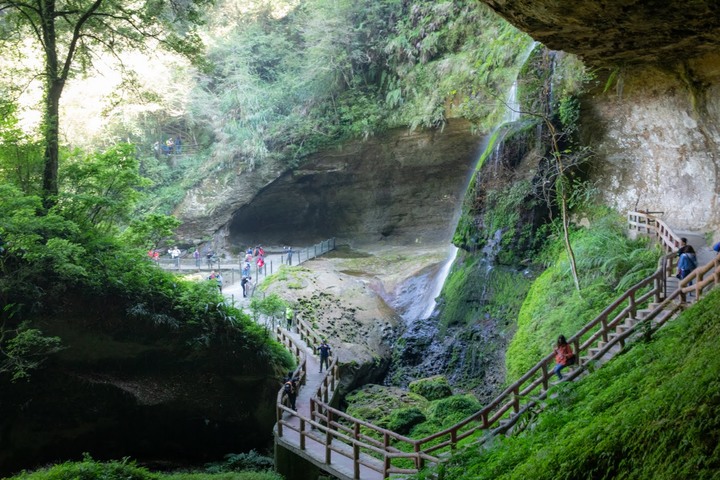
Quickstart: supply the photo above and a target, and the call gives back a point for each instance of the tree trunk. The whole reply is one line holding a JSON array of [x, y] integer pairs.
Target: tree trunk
[[51, 126], [53, 89]]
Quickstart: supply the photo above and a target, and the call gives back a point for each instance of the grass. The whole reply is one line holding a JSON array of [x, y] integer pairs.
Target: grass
[[125, 469]]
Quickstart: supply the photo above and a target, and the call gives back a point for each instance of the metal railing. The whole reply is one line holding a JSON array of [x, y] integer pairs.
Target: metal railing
[[233, 270]]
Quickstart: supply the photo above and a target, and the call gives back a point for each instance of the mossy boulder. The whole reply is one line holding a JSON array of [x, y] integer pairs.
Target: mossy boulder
[[432, 388], [402, 421], [377, 404]]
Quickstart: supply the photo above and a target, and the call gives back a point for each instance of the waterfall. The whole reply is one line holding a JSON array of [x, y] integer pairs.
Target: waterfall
[[511, 114], [439, 281]]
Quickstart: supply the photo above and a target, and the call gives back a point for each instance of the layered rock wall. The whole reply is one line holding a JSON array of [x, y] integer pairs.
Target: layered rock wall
[[656, 142]]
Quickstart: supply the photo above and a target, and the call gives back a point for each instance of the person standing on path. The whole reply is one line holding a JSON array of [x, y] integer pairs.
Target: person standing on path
[[324, 350], [289, 315], [289, 255], [196, 256], [244, 284]]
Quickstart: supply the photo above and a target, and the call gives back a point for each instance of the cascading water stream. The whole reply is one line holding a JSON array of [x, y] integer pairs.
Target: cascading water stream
[[512, 114]]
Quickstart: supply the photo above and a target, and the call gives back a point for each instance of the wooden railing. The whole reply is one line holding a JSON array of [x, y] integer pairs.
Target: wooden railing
[[615, 325]]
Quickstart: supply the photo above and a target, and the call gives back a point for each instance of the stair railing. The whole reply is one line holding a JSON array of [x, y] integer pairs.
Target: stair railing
[[610, 327]]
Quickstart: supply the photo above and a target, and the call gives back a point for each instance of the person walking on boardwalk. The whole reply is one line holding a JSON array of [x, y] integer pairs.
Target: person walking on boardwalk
[[564, 356], [324, 350], [244, 284], [687, 262], [289, 314], [290, 390]]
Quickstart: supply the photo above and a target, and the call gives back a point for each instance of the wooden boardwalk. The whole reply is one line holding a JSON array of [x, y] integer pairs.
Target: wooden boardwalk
[[349, 448]]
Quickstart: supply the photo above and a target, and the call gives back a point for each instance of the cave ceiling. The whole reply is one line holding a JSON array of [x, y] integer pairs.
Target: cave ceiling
[[619, 32]]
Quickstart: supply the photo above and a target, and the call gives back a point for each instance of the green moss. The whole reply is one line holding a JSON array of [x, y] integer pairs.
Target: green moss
[[403, 420], [608, 263], [432, 388]]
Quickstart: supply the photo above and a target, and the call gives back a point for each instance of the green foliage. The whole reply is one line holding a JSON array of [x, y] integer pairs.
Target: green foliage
[[272, 307], [100, 190], [20, 155], [24, 349], [451, 410], [89, 469], [237, 462], [626, 420], [432, 388], [608, 263], [151, 231], [569, 113], [126, 469]]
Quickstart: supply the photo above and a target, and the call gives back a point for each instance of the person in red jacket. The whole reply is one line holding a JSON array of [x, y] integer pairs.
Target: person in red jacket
[[564, 356]]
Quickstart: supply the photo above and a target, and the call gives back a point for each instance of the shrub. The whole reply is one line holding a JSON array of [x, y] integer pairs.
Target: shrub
[[235, 462]]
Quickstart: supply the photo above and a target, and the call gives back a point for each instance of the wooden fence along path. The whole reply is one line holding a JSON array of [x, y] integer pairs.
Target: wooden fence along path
[[350, 448]]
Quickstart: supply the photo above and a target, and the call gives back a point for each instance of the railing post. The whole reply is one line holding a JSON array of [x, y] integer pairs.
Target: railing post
[[386, 462], [279, 421], [328, 438], [516, 398], [356, 461], [576, 346], [453, 440], [302, 433], [545, 373], [603, 322]]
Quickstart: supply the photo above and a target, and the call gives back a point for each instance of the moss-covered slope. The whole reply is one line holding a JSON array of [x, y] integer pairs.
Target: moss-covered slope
[[651, 413]]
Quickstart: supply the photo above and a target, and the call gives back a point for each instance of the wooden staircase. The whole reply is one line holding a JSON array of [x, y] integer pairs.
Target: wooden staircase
[[350, 448]]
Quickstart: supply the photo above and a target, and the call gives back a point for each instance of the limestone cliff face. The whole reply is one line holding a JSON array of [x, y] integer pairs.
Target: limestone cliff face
[[619, 32], [657, 143], [400, 187], [655, 132]]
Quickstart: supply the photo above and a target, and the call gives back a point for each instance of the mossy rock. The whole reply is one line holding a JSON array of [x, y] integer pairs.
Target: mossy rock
[[377, 403], [432, 388], [402, 421], [451, 410]]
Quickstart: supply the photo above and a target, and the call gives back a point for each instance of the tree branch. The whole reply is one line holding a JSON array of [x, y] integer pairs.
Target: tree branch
[[76, 36]]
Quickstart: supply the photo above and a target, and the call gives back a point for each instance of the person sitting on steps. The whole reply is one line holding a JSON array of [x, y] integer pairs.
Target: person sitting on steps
[[564, 356]]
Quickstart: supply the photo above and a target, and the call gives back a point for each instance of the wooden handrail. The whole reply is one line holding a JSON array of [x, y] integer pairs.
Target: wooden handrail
[[532, 387]]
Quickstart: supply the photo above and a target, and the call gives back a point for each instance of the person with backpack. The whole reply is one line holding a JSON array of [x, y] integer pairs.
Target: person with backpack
[[687, 261], [564, 356], [290, 391], [244, 284], [324, 350]]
